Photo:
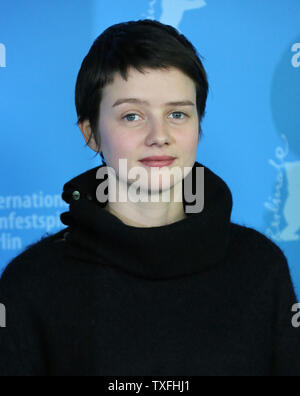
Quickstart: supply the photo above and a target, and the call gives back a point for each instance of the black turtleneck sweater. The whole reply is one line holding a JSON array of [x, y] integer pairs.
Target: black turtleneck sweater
[[202, 296]]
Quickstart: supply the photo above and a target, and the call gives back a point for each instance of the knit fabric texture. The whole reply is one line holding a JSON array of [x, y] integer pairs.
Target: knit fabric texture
[[199, 297]]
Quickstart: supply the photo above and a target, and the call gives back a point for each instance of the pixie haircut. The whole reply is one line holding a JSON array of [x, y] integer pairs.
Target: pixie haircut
[[138, 44]]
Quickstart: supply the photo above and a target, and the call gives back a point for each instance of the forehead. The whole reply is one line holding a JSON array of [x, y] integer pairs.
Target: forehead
[[169, 84]]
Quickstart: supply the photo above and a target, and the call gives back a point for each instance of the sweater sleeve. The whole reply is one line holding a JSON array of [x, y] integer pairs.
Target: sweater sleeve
[[20, 346], [21, 293], [10, 358], [286, 341]]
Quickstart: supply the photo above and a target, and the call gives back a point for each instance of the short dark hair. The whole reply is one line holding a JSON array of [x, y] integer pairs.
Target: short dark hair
[[138, 44]]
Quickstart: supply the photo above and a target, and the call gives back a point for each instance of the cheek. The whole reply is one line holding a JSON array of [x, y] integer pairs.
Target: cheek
[[125, 147], [189, 142], [122, 147], [128, 143], [111, 140]]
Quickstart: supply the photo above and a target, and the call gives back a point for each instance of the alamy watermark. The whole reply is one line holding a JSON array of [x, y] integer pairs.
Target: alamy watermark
[[296, 317], [2, 316], [296, 57], [2, 55], [144, 187]]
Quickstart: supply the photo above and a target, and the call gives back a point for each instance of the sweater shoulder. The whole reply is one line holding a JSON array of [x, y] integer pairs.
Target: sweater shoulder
[[258, 247], [36, 259], [243, 232], [259, 261]]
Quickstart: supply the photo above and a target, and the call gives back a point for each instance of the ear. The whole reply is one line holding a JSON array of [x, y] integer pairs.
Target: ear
[[86, 131]]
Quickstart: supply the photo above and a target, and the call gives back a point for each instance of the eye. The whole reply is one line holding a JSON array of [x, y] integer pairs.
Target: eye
[[179, 112], [129, 115], [132, 115]]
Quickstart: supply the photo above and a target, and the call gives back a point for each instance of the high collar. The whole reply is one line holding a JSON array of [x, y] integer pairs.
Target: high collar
[[183, 248]]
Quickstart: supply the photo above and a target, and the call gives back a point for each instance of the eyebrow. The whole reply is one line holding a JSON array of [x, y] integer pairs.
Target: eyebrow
[[145, 102]]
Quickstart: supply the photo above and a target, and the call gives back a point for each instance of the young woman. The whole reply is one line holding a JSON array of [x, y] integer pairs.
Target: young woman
[[147, 287]]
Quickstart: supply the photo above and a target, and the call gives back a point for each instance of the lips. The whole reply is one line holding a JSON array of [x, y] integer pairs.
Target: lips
[[158, 158], [158, 163]]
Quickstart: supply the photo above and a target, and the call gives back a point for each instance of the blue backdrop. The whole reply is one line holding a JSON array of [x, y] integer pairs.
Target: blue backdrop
[[251, 130]]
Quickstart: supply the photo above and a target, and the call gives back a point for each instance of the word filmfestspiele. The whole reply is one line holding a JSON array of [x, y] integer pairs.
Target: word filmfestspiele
[[135, 193], [296, 57], [2, 55]]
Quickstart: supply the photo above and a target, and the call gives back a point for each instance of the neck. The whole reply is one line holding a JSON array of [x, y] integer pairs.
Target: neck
[[150, 214], [135, 218]]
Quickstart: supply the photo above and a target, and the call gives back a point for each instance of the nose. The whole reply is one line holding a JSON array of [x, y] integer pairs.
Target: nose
[[158, 133]]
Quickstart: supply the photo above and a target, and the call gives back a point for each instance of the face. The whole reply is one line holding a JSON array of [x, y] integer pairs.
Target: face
[[136, 130]]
